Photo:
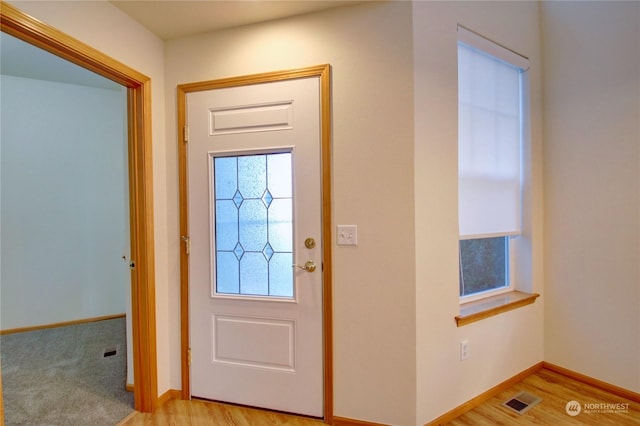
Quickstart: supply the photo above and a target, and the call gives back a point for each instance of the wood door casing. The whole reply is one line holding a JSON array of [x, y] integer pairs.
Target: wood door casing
[[323, 71]]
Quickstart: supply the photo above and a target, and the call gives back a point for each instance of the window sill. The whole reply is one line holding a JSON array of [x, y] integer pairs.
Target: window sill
[[494, 305]]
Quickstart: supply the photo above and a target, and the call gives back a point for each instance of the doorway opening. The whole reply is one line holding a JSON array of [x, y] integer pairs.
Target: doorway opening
[[24, 27]]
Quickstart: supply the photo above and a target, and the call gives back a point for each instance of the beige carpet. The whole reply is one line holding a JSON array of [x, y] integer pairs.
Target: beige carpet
[[59, 376]]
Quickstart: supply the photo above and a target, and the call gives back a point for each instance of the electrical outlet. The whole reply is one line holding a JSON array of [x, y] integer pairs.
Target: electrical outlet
[[464, 350]]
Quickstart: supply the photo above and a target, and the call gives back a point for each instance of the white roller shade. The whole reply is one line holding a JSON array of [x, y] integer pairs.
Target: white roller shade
[[492, 48], [489, 141]]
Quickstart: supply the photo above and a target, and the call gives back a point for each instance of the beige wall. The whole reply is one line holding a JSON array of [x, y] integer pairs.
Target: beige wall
[[592, 176], [507, 344], [369, 49]]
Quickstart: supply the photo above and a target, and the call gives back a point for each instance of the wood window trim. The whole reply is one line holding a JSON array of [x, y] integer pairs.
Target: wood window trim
[[26, 28], [484, 308]]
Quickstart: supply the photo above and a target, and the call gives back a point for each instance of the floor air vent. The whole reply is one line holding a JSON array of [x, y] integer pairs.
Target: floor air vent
[[522, 402], [111, 351]]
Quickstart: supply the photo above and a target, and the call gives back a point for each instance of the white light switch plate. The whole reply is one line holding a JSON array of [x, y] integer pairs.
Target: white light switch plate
[[347, 235]]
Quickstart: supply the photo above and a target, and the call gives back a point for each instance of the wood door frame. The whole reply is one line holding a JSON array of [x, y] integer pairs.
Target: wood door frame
[[20, 25], [324, 74]]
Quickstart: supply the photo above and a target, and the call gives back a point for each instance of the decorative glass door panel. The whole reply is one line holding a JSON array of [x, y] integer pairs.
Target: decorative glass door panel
[[253, 222]]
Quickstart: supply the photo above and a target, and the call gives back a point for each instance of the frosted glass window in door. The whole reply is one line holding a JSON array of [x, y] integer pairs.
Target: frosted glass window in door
[[253, 215]]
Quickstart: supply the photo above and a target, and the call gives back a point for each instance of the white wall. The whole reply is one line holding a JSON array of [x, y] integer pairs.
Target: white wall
[[64, 202], [369, 48], [107, 29], [592, 197], [503, 345]]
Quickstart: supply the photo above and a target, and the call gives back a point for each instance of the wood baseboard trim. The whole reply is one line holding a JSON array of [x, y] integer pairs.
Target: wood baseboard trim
[[168, 396], [608, 387], [60, 324], [485, 396], [344, 421]]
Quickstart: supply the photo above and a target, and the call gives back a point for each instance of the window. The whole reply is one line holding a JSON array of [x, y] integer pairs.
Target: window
[[253, 225], [484, 265], [490, 132]]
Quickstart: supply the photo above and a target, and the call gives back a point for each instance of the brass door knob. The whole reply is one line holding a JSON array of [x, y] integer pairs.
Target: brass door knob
[[309, 266]]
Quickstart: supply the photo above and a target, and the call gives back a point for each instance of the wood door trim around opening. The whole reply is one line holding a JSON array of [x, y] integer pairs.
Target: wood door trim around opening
[[20, 25], [324, 73]]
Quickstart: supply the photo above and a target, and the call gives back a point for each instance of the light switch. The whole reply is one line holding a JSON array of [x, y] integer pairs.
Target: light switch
[[347, 235]]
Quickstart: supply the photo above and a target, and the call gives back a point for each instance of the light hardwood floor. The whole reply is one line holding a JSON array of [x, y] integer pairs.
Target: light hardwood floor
[[554, 389], [201, 413]]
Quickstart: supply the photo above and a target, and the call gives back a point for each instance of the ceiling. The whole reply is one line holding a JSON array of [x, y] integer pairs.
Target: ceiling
[[21, 59], [181, 18], [168, 19]]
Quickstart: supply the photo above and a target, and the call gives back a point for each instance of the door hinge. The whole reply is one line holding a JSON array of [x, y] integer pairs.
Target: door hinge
[[185, 133], [189, 357], [187, 244]]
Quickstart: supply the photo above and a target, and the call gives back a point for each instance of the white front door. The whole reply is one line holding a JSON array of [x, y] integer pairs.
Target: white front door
[[255, 207]]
